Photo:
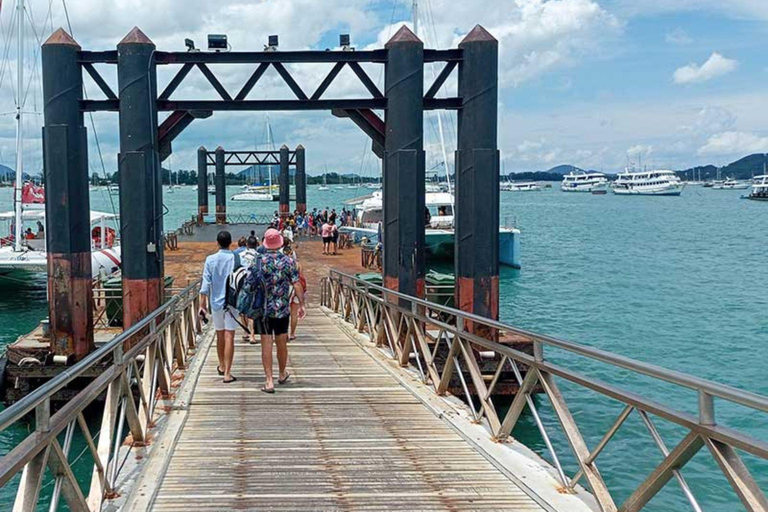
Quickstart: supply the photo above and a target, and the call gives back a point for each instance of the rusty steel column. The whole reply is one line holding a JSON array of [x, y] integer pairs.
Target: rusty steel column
[[141, 200], [221, 187], [285, 183], [202, 184], [67, 231], [477, 178], [301, 180], [404, 202]]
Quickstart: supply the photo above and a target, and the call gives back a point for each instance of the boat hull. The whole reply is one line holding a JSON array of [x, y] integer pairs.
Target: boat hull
[[33, 265], [440, 244], [670, 191]]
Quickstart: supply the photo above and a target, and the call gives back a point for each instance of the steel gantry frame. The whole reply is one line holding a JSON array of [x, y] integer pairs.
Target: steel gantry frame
[[220, 158], [398, 139]]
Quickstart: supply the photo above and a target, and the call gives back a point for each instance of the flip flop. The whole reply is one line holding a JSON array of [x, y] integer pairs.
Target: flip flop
[[270, 391], [283, 381], [220, 371], [229, 381]]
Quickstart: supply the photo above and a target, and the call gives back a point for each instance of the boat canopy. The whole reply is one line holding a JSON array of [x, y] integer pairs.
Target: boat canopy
[[40, 215]]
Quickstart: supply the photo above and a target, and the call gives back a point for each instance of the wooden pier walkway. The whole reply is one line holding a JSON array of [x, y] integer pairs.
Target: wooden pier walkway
[[344, 434]]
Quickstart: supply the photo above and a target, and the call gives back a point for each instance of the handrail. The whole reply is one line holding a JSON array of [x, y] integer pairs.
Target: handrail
[[27, 404], [724, 391], [399, 322]]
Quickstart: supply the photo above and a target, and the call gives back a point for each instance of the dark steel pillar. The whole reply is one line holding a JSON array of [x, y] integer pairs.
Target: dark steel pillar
[[67, 233], [477, 178], [404, 219], [285, 182], [202, 184], [141, 198], [221, 187], [301, 180]]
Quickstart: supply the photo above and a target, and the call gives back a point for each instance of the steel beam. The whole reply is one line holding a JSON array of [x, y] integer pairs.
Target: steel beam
[[476, 212], [141, 200], [404, 245], [301, 180], [202, 184], [284, 182], [68, 237], [221, 187]]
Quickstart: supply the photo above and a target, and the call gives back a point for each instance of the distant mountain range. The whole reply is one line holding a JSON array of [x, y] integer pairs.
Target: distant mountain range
[[741, 169]]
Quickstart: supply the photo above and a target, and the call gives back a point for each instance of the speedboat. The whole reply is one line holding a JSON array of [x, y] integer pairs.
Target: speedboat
[[759, 191], [510, 186], [583, 182], [731, 184], [439, 233], [648, 183]]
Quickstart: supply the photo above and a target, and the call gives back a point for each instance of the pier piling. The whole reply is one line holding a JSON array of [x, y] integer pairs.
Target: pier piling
[[477, 178], [141, 201], [404, 188], [68, 237], [221, 187], [284, 182], [301, 180], [202, 184]]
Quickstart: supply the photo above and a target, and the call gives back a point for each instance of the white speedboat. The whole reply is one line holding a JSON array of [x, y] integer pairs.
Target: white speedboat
[[511, 186], [29, 260], [253, 196], [759, 191], [439, 233], [648, 183], [731, 184], [583, 182]]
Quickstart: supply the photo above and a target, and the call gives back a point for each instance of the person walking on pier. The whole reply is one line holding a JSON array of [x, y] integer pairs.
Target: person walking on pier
[[216, 270], [279, 273]]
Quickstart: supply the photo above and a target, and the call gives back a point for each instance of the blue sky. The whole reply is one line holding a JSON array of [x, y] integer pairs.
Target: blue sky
[[588, 82]]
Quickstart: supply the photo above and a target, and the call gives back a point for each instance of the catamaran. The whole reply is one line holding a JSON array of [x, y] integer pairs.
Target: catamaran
[[583, 181]]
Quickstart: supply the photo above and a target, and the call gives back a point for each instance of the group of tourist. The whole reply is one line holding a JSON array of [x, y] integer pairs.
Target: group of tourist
[[270, 266]]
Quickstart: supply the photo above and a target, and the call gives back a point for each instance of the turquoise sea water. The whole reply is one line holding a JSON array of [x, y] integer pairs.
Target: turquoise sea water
[[678, 282]]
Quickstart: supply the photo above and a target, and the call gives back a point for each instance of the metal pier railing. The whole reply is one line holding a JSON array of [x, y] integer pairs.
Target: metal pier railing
[[137, 370], [403, 324]]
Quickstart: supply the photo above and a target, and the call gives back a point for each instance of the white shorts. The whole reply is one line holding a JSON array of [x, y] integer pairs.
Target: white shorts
[[224, 320]]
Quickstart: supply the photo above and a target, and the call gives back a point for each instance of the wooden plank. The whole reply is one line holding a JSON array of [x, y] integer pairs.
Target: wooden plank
[[342, 434]]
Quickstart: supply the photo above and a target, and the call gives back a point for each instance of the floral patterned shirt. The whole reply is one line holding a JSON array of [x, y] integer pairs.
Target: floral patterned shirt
[[280, 273]]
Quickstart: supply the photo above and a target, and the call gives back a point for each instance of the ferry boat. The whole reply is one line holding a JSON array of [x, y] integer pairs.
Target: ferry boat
[[648, 183], [583, 181], [369, 214], [759, 191], [509, 186], [731, 184]]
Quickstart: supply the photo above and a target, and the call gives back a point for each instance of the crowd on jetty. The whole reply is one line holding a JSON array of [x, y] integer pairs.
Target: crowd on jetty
[[324, 223]]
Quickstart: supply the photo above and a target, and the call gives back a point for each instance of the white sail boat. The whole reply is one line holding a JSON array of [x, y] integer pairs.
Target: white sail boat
[[324, 186], [260, 192], [23, 252]]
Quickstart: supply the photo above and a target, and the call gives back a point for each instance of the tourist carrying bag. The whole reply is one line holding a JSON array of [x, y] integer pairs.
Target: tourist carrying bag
[[251, 299], [235, 282]]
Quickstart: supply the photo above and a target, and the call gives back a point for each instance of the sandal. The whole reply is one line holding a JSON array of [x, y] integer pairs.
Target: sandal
[[229, 381], [220, 371], [284, 380], [270, 391]]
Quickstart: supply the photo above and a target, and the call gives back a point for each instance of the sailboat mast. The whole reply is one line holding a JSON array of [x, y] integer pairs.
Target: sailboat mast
[[19, 123], [271, 147]]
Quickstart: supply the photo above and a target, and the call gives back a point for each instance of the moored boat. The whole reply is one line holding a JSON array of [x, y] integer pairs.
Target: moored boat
[[648, 183], [583, 181], [759, 190]]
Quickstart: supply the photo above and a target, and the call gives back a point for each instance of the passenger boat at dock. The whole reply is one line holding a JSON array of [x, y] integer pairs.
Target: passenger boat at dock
[[648, 183], [759, 191], [583, 182], [440, 233]]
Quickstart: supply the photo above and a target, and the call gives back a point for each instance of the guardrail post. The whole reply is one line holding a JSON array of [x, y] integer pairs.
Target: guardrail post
[[202, 185], [284, 183], [141, 198], [301, 180], [538, 351], [477, 181], [706, 408], [43, 416], [221, 187], [68, 236], [404, 188]]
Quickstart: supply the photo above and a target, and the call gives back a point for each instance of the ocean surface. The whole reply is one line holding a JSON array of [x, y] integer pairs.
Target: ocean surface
[[676, 281]]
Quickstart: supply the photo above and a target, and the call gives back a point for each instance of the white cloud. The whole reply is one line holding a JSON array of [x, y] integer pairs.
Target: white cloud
[[640, 150], [734, 143], [711, 119], [715, 66], [678, 36]]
